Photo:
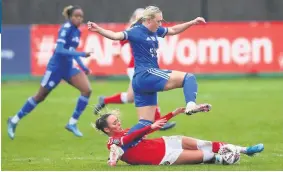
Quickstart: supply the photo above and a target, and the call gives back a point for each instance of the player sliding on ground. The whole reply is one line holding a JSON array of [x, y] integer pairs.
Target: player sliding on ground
[[133, 148]]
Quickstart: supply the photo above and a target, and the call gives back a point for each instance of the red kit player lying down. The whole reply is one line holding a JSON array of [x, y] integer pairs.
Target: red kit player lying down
[[133, 148]]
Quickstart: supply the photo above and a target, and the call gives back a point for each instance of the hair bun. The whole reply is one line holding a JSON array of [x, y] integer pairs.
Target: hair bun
[[66, 10]]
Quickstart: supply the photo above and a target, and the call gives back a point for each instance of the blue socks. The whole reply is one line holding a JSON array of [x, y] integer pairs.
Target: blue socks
[[190, 88], [81, 105], [26, 109], [142, 123], [31, 104]]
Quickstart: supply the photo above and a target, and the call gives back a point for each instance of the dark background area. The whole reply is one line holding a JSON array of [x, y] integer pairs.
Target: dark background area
[[49, 11]]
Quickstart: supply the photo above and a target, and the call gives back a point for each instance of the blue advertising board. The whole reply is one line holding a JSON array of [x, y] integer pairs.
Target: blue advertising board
[[15, 52]]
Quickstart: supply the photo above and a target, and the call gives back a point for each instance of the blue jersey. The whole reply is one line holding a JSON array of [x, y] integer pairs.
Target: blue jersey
[[60, 65], [67, 42], [144, 45]]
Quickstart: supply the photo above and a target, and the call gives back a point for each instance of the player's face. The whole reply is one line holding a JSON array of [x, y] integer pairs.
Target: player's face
[[77, 17], [156, 22], [114, 124]]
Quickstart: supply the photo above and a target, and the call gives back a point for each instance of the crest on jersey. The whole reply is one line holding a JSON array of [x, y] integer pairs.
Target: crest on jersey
[[63, 33], [115, 141]]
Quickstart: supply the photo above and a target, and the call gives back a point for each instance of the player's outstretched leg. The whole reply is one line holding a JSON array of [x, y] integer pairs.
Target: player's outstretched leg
[[209, 150], [118, 98], [188, 82], [30, 104], [190, 89], [80, 82], [214, 146]]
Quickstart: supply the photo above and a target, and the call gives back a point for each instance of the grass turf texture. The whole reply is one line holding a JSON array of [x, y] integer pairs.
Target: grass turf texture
[[245, 112]]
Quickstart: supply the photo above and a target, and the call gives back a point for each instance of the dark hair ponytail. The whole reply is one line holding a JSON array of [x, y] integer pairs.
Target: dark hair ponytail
[[101, 122], [68, 11]]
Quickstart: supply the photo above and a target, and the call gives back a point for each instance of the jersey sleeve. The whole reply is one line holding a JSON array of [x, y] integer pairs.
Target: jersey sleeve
[[167, 117], [130, 34], [125, 140], [62, 51], [63, 32], [162, 31], [80, 63], [61, 41], [135, 135]]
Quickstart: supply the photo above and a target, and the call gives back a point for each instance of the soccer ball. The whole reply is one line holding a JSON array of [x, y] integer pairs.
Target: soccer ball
[[229, 154]]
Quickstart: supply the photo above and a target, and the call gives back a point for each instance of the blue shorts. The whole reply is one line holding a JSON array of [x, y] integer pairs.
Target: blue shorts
[[147, 83], [52, 78]]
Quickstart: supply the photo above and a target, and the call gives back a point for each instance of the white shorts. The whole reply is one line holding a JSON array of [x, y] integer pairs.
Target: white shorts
[[173, 149], [131, 72]]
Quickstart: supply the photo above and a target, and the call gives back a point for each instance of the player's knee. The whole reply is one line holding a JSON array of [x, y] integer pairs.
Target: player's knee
[[39, 98], [130, 97], [86, 92]]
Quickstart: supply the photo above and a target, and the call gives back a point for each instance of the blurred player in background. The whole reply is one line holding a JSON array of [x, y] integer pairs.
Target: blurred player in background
[[128, 97], [61, 67], [149, 78], [138, 150]]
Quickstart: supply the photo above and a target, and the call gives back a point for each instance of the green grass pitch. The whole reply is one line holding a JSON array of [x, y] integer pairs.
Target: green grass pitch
[[245, 112]]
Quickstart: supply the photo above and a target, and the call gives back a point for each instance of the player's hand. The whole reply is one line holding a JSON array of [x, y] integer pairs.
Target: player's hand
[[91, 26], [158, 124], [179, 111], [88, 54], [112, 164], [87, 71], [117, 56], [199, 20]]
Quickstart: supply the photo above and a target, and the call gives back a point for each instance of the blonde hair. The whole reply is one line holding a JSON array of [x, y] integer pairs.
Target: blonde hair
[[149, 13], [66, 11], [136, 14]]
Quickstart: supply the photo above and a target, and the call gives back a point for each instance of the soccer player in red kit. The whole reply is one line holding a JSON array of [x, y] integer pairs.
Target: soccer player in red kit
[[132, 147], [128, 97]]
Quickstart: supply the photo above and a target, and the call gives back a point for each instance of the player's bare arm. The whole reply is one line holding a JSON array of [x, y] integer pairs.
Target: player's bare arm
[[93, 27], [182, 27]]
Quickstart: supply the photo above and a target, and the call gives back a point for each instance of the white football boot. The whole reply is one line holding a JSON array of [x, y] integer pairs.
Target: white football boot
[[192, 108]]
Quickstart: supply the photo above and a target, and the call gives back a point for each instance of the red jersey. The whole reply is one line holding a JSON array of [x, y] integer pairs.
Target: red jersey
[[132, 61], [146, 151], [142, 153]]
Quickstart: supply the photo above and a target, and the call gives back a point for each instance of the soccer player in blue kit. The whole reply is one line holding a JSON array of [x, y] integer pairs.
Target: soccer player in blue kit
[[61, 67], [149, 78]]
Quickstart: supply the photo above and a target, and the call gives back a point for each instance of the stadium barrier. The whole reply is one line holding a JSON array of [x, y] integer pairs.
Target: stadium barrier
[[213, 50]]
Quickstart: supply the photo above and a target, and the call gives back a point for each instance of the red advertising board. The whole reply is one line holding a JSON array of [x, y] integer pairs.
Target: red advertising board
[[213, 48]]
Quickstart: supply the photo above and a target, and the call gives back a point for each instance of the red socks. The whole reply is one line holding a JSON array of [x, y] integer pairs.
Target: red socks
[[216, 146], [115, 99], [157, 114]]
